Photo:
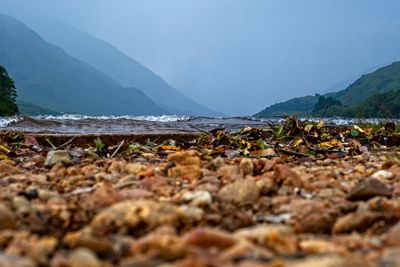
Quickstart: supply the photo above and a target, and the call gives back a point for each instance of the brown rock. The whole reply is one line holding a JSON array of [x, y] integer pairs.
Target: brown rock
[[134, 168], [217, 163], [278, 238], [15, 261], [392, 237], [391, 257], [188, 165], [241, 192], [246, 166], [369, 188], [190, 172], [266, 185], [209, 238], [287, 176], [229, 173], [328, 261], [6, 169], [321, 247], [316, 221], [131, 215], [247, 250], [83, 257], [7, 220], [40, 249], [358, 222], [85, 238], [186, 158]]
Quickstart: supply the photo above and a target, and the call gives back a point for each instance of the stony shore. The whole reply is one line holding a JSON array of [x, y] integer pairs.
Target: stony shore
[[224, 200]]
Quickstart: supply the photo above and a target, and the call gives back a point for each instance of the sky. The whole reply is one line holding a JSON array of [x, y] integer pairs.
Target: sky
[[238, 56]]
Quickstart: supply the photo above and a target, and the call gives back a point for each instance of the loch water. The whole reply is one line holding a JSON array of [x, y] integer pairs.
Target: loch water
[[79, 124]]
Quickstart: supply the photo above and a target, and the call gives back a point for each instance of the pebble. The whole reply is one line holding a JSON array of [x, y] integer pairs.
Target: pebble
[[57, 156], [382, 175], [6, 169], [187, 165], [197, 198], [391, 257], [15, 261], [82, 257], [321, 247], [278, 238], [369, 188], [392, 236], [287, 176], [126, 216], [209, 238], [246, 166], [7, 220], [358, 221], [217, 163], [134, 168], [241, 192]]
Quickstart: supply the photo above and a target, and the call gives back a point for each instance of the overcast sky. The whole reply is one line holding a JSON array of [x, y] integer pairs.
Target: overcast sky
[[238, 56]]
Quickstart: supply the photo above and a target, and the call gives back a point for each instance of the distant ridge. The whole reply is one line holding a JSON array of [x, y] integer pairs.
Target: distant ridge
[[382, 80], [46, 76], [113, 62]]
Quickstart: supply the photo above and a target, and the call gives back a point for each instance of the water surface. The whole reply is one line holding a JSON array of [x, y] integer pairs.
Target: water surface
[[78, 124]]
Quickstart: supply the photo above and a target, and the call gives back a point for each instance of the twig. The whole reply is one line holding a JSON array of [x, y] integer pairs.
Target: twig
[[118, 148], [52, 145], [67, 143], [298, 154], [198, 129]]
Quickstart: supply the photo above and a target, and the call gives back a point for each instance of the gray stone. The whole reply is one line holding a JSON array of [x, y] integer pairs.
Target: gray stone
[[57, 156]]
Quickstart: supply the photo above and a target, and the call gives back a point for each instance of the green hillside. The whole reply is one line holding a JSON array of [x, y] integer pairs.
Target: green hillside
[[33, 110], [301, 106], [48, 77], [368, 90], [382, 80]]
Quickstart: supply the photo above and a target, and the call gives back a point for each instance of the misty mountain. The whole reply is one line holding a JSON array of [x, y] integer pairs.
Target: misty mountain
[[48, 77], [382, 80], [122, 68]]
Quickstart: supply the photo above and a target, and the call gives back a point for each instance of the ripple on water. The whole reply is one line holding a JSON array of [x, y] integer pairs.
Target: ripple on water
[[81, 124]]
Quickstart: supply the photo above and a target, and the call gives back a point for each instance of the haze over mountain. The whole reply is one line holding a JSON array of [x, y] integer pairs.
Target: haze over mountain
[[122, 68], [46, 76], [238, 56]]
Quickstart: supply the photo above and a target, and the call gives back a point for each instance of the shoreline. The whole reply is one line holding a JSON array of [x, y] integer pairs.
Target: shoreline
[[294, 195]]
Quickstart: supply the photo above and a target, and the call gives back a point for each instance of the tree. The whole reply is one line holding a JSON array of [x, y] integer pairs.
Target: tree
[[324, 105], [8, 94]]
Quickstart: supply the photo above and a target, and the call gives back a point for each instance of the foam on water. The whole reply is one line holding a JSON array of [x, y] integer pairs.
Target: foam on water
[[81, 124], [6, 121], [163, 118]]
